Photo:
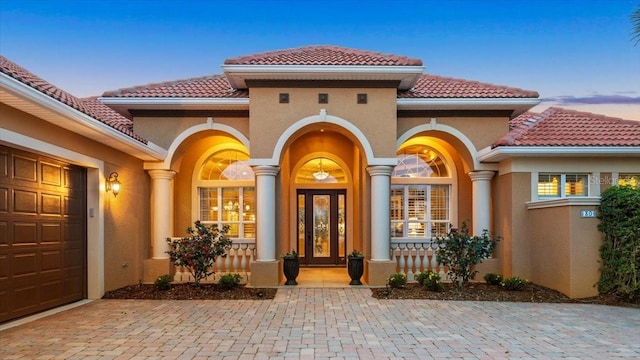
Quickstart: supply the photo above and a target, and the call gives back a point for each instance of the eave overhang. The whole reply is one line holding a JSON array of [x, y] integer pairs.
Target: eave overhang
[[516, 105], [122, 105], [31, 101], [497, 154], [407, 76]]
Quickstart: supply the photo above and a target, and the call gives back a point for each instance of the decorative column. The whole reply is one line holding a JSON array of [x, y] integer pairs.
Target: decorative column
[[161, 211], [266, 212], [481, 200], [265, 270], [380, 265]]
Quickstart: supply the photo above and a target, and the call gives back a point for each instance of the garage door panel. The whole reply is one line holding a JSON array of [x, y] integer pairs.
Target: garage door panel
[[51, 233], [4, 234], [25, 264], [25, 202], [51, 292], [25, 233], [51, 204], [42, 233], [4, 200], [51, 261], [25, 169], [51, 174], [25, 299]]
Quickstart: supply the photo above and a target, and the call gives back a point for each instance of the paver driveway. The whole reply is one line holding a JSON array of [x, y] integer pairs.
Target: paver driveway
[[327, 323]]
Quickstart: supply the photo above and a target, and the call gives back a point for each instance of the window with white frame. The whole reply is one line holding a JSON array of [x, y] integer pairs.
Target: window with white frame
[[226, 193], [562, 185], [420, 193], [419, 211]]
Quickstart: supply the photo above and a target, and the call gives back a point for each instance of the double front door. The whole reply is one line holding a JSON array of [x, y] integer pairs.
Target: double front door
[[322, 227]]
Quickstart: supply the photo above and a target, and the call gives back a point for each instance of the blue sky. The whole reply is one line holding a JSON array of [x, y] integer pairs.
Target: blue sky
[[570, 51]]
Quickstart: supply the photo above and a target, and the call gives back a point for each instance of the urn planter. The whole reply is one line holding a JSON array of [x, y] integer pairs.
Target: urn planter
[[355, 267], [291, 268]]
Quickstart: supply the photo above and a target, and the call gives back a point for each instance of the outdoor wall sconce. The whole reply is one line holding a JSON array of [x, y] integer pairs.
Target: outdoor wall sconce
[[113, 184]]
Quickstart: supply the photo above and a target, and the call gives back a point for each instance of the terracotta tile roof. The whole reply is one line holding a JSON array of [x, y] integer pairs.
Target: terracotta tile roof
[[110, 117], [324, 55], [215, 86], [563, 127], [88, 106], [433, 86]]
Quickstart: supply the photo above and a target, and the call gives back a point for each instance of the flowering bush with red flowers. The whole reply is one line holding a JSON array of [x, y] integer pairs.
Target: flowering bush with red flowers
[[198, 251]]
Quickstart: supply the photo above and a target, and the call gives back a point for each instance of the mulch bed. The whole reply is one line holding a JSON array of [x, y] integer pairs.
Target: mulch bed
[[532, 293], [190, 292], [472, 292]]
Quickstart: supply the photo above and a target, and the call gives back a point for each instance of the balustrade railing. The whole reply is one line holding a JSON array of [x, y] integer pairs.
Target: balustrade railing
[[414, 256], [238, 260]]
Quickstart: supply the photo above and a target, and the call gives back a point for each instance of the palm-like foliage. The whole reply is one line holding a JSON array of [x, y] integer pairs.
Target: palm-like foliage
[[635, 22]]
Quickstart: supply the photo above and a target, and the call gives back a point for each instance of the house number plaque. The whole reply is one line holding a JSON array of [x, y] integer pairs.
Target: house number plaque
[[587, 213]]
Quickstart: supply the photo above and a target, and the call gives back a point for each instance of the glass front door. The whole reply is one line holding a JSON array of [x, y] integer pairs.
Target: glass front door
[[322, 227]]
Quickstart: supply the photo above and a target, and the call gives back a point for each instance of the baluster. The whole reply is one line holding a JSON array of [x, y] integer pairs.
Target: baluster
[[243, 261], [410, 261], [422, 256], [394, 255], [236, 260], [403, 246], [250, 260], [227, 261]]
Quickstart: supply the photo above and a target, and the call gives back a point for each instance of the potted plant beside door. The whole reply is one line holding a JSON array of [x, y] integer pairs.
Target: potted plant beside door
[[355, 266], [291, 267]]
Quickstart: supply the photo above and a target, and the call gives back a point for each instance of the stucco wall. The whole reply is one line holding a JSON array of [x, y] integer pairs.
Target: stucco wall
[[126, 217], [376, 119], [481, 130], [510, 193], [162, 131], [565, 249]]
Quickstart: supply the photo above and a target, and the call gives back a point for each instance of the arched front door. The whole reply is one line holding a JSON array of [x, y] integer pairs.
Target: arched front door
[[322, 226]]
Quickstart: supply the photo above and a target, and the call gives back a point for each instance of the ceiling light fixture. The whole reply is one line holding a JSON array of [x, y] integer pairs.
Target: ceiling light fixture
[[320, 174]]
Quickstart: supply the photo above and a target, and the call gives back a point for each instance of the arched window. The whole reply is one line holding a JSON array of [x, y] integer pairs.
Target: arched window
[[226, 192], [420, 193]]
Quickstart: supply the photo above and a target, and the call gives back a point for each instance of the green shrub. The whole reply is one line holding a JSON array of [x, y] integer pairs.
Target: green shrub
[[619, 215], [419, 277], [432, 281], [493, 279], [198, 251], [461, 252], [230, 281], [397, 280], [514, 283], [163, 282]]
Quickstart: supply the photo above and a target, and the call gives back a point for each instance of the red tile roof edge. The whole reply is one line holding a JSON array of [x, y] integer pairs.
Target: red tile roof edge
[[100, 112], [528, 121]]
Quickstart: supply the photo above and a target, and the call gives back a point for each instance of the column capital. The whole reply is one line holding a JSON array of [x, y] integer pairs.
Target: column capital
[[482, 175], [380, 170], [162, 174], [265, 170]]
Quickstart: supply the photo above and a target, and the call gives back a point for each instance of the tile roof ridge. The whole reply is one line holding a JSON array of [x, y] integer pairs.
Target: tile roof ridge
[[595, 116], [243, 59], [135, 88]]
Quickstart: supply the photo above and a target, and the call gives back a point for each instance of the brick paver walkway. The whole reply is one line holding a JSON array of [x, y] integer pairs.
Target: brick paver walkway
[[327, 323]]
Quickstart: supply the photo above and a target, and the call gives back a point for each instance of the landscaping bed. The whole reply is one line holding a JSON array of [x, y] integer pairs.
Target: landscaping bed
[[184, 291]]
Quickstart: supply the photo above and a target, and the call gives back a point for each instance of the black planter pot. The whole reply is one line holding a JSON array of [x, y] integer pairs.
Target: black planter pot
[[291, 268], [355, 266]]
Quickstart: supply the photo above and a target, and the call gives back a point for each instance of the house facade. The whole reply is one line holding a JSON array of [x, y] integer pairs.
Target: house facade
[[319, 149]]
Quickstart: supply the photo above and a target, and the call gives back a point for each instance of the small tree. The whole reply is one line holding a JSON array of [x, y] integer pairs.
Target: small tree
[[619, 214], [199, 250], [461, 252]]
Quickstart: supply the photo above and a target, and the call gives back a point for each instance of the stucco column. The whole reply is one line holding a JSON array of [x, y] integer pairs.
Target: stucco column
[[161, 211], [380, 213], [266, 212], [481, 200]]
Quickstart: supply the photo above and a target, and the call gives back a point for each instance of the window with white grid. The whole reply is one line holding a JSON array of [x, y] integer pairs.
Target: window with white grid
[[232, 206], [419, 211]]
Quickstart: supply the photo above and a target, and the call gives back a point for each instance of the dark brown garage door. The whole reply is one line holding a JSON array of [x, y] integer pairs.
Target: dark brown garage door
[[42, 233]]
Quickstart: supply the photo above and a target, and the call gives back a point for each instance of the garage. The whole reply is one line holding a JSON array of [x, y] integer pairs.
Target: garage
[[43, 237]]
